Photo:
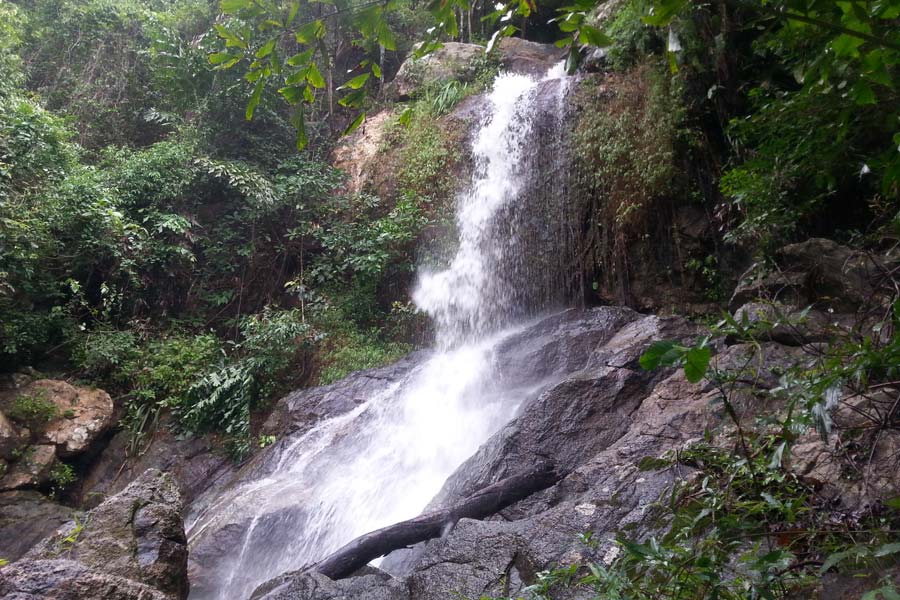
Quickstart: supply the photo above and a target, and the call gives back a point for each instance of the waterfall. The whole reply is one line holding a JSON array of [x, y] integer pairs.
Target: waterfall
[[475, 296], [384, 460]]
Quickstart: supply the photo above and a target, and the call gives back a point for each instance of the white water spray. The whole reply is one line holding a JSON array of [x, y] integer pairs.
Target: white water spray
[[385, 460]]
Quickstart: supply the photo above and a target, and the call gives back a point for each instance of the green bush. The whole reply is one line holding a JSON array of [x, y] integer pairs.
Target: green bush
[[33, 410], [633, 41], [100, 352], [222, 399], [61, 477], [352, 350], [158, 375]]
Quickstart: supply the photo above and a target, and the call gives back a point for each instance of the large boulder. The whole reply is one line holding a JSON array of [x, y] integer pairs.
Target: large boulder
[[528, 58], [46, 420], [817, 272], [68, 580], [457, 61], [372, 585], [27, 517], [32, 468], [453, 61], [297, 412], [136, 535], [12, 439], [193, 462], [82, 415]]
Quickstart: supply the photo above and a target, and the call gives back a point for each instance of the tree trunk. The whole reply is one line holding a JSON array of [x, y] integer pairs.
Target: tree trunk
[[479, 505]]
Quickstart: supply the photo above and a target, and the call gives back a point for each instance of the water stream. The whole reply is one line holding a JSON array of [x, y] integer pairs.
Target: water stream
[[383, 461]]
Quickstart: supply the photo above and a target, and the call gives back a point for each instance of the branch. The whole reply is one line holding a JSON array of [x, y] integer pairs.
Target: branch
[[479, 505]]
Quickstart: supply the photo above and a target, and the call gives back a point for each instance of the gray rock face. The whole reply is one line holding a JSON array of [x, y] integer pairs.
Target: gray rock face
[[313, 586], [136, 535], [11, 439], [592, 409], [299, 411], [816, 272], [192, 462], [27, 517], [32, 468], [452, 61], [68, 580], [529, 58], [599, 421]]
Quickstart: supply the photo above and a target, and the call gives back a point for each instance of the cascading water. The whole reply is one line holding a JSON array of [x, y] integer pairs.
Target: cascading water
[[383, 461]]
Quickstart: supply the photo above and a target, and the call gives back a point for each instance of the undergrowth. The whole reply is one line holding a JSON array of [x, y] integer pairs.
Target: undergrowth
[[743, 523]]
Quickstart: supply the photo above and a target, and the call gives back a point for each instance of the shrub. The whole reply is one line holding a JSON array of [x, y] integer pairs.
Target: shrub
[[352, 350], [633, 40], [101, 352], [33, 410], [61, 477], [222, 399], [159, 376]]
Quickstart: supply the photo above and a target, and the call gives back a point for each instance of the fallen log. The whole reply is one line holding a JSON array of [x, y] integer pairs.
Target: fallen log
[[479, 505]]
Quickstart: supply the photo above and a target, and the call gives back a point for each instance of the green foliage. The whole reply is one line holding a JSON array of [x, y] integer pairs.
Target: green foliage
[[11, 24], [427, 154], [222, 399], [61, 477], [158, 375], [68, 542], [632, 39], [694, 359], [350, 350], [625, 149], [748, 527], [447, 97], [33, 410], [101, 352]]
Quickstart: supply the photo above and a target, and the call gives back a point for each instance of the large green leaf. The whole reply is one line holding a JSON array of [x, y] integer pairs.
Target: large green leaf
[[314, 77], [230, 7], [232, 39], [696, 362], [255, 98], [658, 354], [266, 49], [301, 58], [594, 37], [310, 32], [663, 11], [356, 83], [355, 124]]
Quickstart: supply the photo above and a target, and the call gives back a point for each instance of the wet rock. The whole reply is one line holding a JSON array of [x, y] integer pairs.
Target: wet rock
[[83, 414], [300, 410], [27, 517], [790, 325], [528, 58], [599, 421], [68, 580], [817, 272], [194, 463], [451, 62], [32, 469], [11, 439], [856, 472], [137, 534], [375, 585], [595, 61]]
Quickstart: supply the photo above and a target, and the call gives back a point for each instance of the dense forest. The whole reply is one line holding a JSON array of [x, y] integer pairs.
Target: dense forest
[[175, 228]]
